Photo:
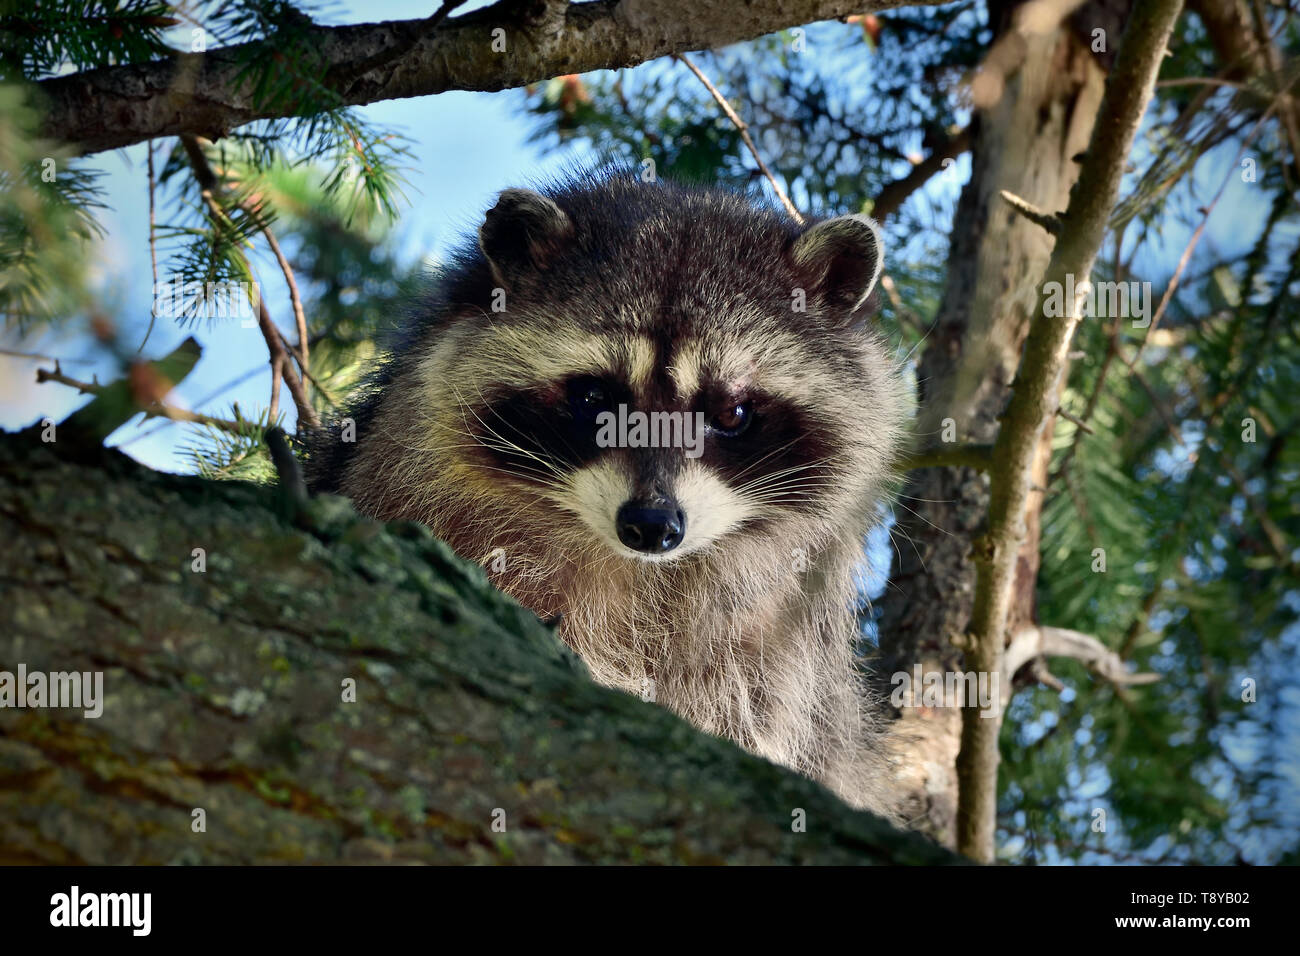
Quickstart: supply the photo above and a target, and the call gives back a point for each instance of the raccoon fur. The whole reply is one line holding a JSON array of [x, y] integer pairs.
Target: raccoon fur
[[719, 577]]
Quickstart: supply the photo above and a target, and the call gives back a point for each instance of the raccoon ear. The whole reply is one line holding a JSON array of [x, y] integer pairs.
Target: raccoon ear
[[840, 259], [523, 230]]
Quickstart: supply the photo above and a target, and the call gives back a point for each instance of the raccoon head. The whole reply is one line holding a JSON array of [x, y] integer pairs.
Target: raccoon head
[[641, 371]]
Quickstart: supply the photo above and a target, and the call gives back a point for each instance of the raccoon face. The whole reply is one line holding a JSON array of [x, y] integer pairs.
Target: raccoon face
[[666, 375]]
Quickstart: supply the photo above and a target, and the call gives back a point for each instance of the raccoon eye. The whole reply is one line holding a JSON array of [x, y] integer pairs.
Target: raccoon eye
[[588, 397], [733, 419]]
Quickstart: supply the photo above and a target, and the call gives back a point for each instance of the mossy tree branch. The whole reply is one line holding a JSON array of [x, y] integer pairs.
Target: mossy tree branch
[[223, 691]]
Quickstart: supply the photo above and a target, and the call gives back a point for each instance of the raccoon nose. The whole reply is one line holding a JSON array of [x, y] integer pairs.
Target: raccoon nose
[[651, 529]]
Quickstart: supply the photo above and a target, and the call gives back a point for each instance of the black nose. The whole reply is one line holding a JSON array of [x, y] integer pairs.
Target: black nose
[[652, 529]]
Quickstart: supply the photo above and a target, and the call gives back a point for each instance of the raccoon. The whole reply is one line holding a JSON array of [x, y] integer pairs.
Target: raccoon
[[708, 560]]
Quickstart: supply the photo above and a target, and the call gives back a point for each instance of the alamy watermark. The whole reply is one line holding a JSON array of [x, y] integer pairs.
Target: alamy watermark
[[946, 689], [1116, 300], [638, 429], [130, 910], [76, 689]]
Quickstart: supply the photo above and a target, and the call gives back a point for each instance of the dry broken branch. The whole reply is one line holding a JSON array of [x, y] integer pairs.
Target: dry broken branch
[[1038, 642], [1031, 212], [150, 409]]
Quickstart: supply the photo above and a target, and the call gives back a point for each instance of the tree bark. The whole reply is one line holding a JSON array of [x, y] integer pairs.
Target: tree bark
[[223, 691]]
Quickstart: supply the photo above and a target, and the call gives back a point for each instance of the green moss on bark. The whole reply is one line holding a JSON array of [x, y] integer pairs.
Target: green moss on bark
[[223, 691]]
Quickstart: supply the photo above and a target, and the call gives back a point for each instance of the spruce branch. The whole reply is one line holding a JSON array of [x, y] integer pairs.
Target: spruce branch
[[281, 366]]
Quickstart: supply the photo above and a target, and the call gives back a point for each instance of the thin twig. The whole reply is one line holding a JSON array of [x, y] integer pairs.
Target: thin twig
[[903, 311], [1200, 228], [153, 248], [891, 198], [152, 410], [744, 135], [300, 317], [1075, 420], [202, 401]]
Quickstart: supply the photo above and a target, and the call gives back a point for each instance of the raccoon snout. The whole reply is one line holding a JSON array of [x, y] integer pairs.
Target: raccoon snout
[[650, 527]]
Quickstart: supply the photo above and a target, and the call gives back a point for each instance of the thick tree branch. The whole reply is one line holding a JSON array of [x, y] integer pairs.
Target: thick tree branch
[[204, 93], [371, 698], [978, 457], [1083, 225]]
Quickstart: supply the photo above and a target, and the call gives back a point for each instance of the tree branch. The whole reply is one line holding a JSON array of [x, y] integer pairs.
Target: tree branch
[[979, 457], [1032, 642], [1031, 212], [743, 129], [452, 686], [281, 363], [295, 299], [1083, 225], [210, 94], [151, 410], [893, 196], [1245, 54]]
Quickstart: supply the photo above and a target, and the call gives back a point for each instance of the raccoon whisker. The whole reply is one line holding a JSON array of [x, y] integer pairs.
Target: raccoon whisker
[[921, 341], [564, 441], [910, 540], [787, 476], [917, 514], [512, 445], [783, 474], [478, 442], [930, 501], [775, 451], [520, 473], [787, 492], [838, 458], [813, 481], [780, 497]]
